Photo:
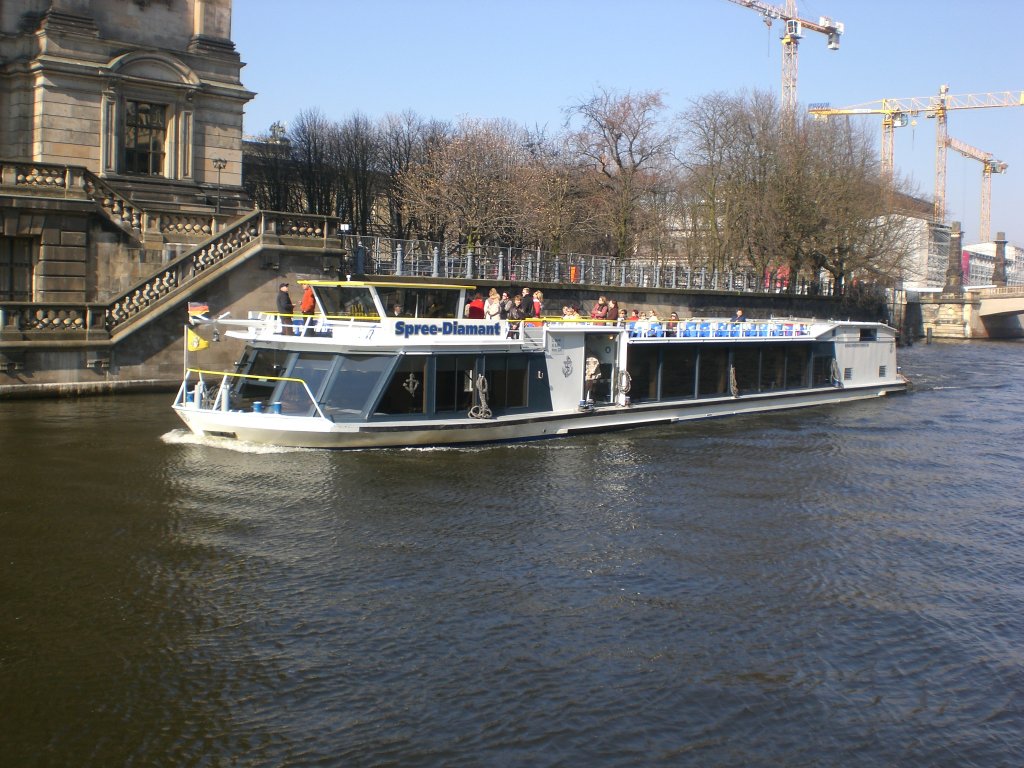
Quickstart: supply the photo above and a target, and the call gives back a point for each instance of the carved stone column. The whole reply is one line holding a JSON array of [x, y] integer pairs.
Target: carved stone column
[[955, 268], [999, 266]]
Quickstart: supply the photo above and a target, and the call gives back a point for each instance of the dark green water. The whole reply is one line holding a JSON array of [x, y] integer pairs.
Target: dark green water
[[836, 586]]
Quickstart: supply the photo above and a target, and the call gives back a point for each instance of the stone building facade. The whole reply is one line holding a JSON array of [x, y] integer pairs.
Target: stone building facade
[[120, 140]]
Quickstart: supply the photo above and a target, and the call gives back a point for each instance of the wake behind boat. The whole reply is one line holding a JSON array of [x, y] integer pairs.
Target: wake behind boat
[[350, 375]]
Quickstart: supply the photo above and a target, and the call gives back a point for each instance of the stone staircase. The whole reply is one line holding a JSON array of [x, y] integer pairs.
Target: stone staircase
[[30, 329]]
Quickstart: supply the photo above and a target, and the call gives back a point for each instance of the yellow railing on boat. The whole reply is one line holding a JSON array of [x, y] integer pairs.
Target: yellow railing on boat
[[222, 399]]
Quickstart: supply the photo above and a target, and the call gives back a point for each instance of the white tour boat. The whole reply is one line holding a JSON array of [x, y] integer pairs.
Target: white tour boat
[[352, 375]]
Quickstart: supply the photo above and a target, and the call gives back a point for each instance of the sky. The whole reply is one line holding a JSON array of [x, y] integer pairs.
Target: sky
[[529, 61]]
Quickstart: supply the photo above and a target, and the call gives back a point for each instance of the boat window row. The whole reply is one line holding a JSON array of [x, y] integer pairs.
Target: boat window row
[[355, 387], [671, 372], [356, 301]]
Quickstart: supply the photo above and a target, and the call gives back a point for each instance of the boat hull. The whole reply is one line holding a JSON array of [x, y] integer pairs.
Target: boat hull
[[316, 432]]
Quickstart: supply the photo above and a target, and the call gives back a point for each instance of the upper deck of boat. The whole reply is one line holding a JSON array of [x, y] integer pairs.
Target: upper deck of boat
[[356, 313]]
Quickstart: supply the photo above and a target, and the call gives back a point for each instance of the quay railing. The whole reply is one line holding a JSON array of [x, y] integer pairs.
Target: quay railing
[[506, 264]]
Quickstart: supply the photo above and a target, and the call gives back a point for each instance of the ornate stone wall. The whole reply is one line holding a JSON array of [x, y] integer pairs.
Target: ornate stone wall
[[71, 69], [144, 94]]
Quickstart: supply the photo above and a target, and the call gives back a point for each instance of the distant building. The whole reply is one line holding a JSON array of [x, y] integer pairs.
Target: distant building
[[930, 257], [979, 261], [120, 139]]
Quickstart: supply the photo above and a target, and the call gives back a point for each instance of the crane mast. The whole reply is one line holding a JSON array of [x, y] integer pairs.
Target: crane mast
[[989, 165], [794, 27]]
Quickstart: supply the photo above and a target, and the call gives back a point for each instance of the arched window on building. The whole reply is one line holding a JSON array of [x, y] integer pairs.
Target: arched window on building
[[145, 138], [148, 117]]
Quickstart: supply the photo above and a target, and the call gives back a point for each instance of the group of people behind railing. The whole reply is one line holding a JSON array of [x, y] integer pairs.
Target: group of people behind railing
[[527, 307], [511, 306]]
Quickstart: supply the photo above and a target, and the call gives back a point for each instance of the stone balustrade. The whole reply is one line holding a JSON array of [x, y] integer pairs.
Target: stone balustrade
[[184, 224], [118, 208], [20, 317], [79, 182], [213, 251], [41, 176]]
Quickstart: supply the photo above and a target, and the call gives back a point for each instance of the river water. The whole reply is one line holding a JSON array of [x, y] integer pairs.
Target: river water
[[825, 587]]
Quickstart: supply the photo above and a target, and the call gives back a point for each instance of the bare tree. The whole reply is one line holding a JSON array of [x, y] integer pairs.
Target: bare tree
[[268, 171], [858, 233], [555, 202], [404, 140], [705, 201], [784, 195], [469, 187], [621, 140], [314, 150], [357, 150]]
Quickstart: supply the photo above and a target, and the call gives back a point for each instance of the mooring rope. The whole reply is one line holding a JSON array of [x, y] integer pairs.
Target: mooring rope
[[480, 410]]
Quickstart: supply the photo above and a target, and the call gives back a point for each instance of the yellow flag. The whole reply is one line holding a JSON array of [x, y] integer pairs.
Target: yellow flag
[[195, 341]]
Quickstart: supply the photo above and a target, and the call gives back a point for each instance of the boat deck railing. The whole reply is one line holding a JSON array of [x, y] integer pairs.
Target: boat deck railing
[[706, 329], [211, 391]]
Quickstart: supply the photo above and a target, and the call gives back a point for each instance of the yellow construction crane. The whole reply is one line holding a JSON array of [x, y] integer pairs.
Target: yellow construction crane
[[896, 113], [988, 166], [794, 26]]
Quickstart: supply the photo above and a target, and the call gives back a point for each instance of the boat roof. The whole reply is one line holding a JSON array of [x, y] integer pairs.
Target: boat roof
[[387, 284]]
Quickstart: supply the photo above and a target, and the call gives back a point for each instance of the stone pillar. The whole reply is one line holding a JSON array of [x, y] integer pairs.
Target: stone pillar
[[955, 268], [999, 266]]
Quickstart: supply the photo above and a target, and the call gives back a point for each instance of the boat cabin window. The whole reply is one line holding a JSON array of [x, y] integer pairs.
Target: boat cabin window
[[773, 368], [347, 301], [354, 380], [746, 363], [821, 371], [797, 357], [420, 302], [869, 334], [312, 368], [266, 364], [406, 392], [714, 372], [507, 381], [671, 372], [643, 370], [454, 383], [679, 370]]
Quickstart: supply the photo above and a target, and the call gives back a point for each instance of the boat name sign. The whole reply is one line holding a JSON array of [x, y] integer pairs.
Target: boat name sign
[[447, 328]]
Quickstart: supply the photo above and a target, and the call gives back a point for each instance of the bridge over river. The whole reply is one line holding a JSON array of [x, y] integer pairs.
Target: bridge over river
[[981, 313]]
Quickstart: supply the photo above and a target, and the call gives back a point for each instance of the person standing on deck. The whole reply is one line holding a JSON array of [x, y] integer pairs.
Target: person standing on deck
[[285, 309], [538, 303], [306, 307], [515, 316], [527, 302], [492, 306]]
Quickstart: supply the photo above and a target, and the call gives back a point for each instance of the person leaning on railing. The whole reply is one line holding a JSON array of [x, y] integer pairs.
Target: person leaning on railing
[[516, 314]]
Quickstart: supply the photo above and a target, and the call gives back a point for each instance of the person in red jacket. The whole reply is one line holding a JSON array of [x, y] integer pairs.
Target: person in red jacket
[[475, 308], [306, 306]]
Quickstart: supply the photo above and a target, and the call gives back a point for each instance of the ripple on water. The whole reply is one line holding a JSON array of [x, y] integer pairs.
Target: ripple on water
[[830, 586]]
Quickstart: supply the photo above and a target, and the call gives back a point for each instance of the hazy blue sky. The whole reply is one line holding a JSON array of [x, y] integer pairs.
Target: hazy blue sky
[[528, 60]]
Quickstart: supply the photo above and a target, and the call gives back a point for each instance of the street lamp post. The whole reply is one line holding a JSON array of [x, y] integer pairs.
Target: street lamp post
[[219, 163]]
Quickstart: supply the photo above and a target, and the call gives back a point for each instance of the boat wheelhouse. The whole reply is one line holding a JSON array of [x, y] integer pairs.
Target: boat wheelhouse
[[392, 364]]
